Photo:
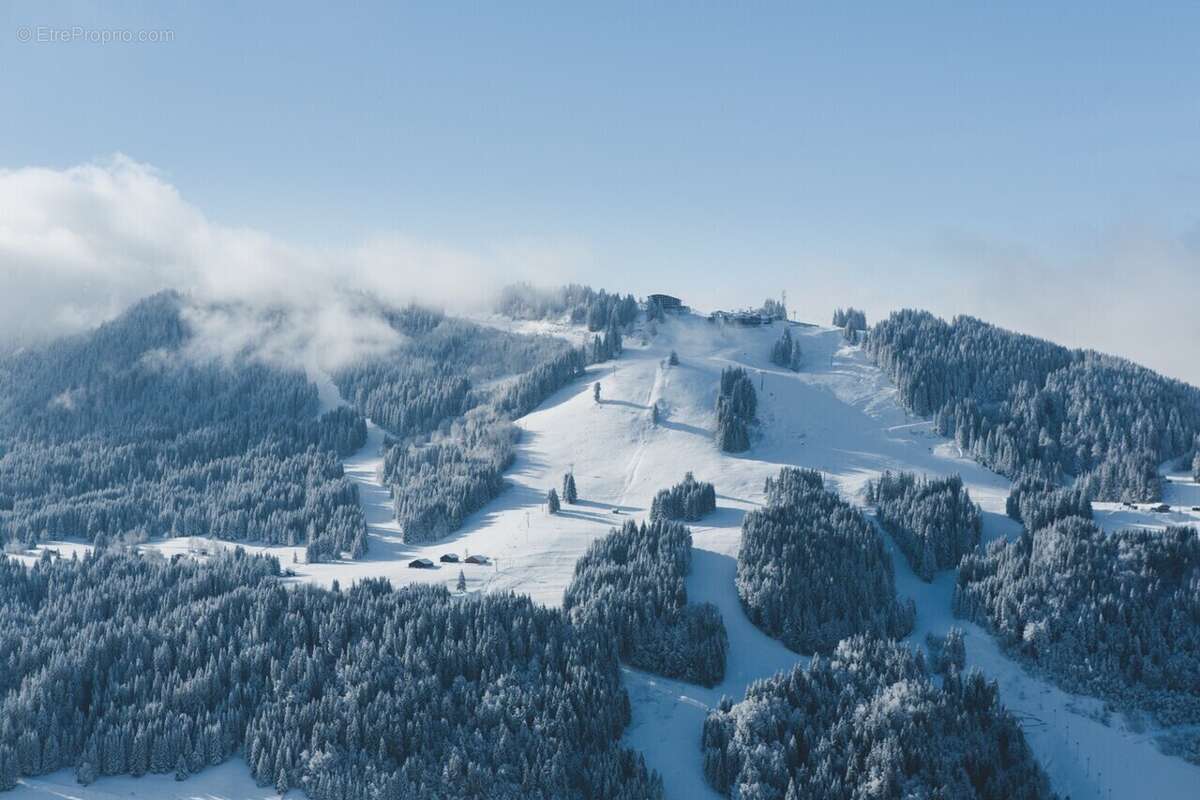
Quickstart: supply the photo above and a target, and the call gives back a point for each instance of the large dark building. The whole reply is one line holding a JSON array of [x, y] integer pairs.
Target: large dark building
[[666, 302]]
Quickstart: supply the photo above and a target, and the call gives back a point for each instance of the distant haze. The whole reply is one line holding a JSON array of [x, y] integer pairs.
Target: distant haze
[[78, 245], [1033, 164]]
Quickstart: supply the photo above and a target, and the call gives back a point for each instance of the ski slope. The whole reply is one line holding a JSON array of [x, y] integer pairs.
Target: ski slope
[[839, 415]]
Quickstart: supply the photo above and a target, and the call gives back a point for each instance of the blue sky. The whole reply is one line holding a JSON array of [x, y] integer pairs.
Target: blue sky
[[966, 159]]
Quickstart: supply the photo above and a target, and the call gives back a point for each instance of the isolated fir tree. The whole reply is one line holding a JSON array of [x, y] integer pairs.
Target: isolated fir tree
[[461, 585], [596, 391], [552, 504], [569, 493], [281, 781], [673, 359]]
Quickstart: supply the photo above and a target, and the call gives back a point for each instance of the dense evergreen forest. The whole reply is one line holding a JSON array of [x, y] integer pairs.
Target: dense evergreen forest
[[737, 405], [448, 396], [812, 570], [1037, 502], [868, 722], [932, 520], [630, 584], [689, 500], [126, 664], [1025, 406], [444, 367], [1115, 615], [123, 433]]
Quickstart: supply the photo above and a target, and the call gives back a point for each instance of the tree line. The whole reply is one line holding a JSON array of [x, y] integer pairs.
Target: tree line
[[850, 318], [1022, 405], [439, 479], [579, 305], [121, 664]]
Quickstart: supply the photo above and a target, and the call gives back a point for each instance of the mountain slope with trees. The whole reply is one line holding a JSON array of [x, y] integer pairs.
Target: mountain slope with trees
[[448, 395], [124, 433], [1025, 406], [122, 664], [1116, 615], [579, 305]]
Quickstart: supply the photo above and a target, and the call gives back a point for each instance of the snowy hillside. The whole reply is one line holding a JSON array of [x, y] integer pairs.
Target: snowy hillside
[[839, 415]]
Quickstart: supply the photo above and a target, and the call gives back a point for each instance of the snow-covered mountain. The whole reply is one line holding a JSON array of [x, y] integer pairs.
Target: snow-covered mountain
[[838, 414]]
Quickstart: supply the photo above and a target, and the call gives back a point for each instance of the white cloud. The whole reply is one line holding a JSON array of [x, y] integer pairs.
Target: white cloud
[[79, 245]]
